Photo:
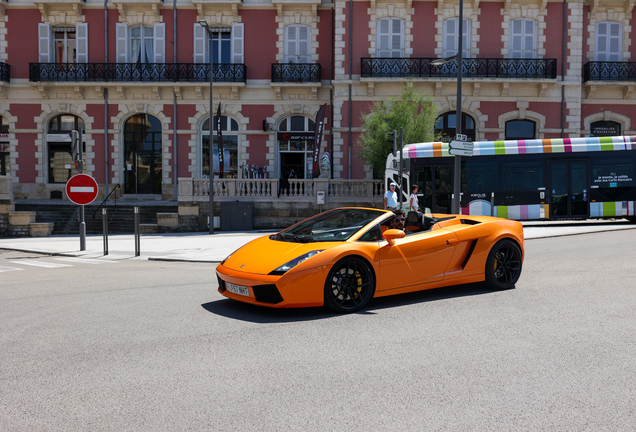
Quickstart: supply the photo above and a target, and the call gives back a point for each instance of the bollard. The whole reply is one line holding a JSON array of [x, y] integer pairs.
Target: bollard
[[82, 229], [105, 229], [137, 252], [492, 203]]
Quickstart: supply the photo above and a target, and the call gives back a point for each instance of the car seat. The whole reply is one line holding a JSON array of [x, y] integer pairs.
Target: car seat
[[413, 219]]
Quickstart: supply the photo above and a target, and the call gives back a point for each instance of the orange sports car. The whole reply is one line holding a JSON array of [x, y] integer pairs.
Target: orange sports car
[[343, 257]]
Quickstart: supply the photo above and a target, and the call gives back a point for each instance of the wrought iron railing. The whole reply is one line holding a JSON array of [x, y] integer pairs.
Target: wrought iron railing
[[5, 72], [609, 71], [133, 72], [471, 68], [296, 72]]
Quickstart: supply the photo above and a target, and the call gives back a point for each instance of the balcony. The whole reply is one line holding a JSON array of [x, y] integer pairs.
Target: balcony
[[471, 68], [133, 72], [295, 72], [609, 71], [5, 72]]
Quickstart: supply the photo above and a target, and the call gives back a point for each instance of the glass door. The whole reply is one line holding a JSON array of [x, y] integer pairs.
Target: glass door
[[436, 186], [569, 189]]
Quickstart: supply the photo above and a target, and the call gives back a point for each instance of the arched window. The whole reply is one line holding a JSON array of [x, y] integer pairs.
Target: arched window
[[446, 126], [142, 155], [520, 130], [605, 128], [61, 164], [4, 147], [296, 146], [229, 135]]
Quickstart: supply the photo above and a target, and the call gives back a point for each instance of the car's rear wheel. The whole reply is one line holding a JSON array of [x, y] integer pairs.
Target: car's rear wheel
[[349, 286], [503, 266]]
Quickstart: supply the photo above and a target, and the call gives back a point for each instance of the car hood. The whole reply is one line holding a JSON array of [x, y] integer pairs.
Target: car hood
[[263, 255]]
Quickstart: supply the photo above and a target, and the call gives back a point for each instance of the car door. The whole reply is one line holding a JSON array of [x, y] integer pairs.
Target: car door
[[415, 259]]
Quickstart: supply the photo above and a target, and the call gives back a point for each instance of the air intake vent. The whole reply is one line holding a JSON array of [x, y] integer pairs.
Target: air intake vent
[[267, 294]]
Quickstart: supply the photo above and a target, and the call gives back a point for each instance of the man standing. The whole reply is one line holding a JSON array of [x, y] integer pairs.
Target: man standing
[[390, 197]]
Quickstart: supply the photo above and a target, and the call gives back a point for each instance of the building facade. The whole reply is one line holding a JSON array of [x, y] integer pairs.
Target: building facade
[[134, 76]]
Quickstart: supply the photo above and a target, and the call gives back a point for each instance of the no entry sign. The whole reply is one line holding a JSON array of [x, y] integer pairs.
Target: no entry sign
[[82, 189]]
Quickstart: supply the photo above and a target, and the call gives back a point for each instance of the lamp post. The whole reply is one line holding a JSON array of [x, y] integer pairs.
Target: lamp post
[[205, 25], [458, 118]]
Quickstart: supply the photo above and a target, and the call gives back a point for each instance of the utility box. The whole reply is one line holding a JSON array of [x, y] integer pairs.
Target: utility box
[[237, 216], [320, 197]]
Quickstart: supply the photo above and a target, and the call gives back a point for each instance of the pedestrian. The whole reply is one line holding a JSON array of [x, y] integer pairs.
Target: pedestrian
[[390, 197], [292, 174], [415, 205]]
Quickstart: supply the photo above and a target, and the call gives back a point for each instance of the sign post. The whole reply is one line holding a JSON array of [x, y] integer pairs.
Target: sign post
[[82, 189]]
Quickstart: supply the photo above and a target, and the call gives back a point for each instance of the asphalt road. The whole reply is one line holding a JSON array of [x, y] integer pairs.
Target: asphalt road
[[144, 345]]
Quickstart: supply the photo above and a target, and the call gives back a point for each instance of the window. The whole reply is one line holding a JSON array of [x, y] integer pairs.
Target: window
[[523, 39], [520, 130], [297, 44], [451, 37], [296, 149], [390, 38], [142, 44], [446, 124], [61, 165], [522, 175], [4, 147], [609, 41], [143, 165], [229, 134], [227, 44], [605, 128], [63, 44]]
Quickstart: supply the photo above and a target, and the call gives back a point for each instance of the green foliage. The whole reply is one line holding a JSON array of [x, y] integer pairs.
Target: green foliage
[[411, 111]]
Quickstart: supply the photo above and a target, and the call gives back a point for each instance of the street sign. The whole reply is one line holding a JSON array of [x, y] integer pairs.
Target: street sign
[[82, 189], [461, 137], [460, 148]]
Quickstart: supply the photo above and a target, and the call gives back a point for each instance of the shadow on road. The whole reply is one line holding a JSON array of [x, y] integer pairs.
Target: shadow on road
[[263, 315]]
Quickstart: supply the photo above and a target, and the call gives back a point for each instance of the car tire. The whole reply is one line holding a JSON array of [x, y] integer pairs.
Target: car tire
[[350, 285], [503, 266]]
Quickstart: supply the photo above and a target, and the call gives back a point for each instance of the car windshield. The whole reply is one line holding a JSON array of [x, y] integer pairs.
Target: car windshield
[[336, 225]]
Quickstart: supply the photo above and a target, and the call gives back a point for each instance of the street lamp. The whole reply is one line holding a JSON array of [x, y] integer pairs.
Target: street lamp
[[205, 25], [458, 118]]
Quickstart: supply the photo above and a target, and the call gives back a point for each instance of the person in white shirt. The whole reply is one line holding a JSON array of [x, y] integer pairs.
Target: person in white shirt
[[390, 197], [415, 205]]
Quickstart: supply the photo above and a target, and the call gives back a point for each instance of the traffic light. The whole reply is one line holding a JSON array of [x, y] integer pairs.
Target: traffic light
[[75, 146], [394, 135]]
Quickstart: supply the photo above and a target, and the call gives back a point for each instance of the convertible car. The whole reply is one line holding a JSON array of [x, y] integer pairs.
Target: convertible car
[[344, 257]]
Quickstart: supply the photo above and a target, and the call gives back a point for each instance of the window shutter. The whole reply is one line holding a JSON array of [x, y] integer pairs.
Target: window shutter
[[304, 53], [465, 38], [615, 41], [82, 43], [449, 38], [290, 44], [523, 38], [122, 43], [199, 43], [160, 43], [608, 41], [238, 43], [390, 37], [44, 44]]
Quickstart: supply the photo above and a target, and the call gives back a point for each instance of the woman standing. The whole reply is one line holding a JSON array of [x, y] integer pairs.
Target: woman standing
[[415, 205]]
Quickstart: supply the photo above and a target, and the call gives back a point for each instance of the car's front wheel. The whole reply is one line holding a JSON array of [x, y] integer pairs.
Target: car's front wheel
[[349, 286], [503, 266]]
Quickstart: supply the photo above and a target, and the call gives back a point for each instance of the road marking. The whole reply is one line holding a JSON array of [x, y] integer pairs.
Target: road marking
[[85, 260], [37, 263], [6, 269]]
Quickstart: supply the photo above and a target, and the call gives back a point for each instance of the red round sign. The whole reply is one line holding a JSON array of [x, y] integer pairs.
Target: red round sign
[[82, 189]]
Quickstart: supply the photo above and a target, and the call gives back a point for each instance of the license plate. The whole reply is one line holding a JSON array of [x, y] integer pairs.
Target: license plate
[[238, 289]]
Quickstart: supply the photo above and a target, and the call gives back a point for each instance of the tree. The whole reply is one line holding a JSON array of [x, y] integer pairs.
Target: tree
[[411, 111]]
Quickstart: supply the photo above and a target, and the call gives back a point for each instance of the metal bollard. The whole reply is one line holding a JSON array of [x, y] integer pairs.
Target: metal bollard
[[492, 203], [105, 229], [137, 235]]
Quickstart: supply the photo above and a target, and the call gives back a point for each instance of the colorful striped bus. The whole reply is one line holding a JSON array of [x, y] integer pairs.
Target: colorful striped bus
[[540, 179]]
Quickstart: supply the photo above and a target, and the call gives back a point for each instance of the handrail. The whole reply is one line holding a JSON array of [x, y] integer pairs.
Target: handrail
[[105, 199]]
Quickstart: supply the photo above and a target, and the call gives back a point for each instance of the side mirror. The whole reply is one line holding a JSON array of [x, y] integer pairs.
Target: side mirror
[[392, 234]]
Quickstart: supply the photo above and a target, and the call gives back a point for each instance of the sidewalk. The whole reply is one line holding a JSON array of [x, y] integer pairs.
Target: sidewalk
[[204, 247]]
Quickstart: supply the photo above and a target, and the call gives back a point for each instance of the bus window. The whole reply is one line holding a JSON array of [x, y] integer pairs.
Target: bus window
[[480, 173], [522, 175]]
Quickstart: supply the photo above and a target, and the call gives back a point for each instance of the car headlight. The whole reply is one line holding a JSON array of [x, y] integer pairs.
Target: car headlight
[[293, 263]]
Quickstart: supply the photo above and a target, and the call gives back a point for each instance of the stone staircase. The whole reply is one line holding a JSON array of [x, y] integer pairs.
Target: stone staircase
[[121, 218]]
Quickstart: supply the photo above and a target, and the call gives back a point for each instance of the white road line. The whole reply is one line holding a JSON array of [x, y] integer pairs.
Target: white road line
[[37, 263], [84, 260], [6, 269]]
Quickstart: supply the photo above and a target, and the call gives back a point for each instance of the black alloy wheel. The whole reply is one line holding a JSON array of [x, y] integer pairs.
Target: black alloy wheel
[[503, 266], [349, 286]]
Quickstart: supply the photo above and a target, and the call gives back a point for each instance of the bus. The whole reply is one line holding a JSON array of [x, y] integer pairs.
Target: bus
[[539, 179]]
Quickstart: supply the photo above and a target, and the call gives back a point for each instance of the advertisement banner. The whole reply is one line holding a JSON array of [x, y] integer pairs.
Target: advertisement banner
[[320, 119], [219, 140]]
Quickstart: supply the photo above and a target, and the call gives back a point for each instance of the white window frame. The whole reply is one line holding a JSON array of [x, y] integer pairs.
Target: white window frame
[[201, 48], [603, 47], [46, 43], [123, 44], [522, 41], [451, 36], [386, 38], [297, 43]]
